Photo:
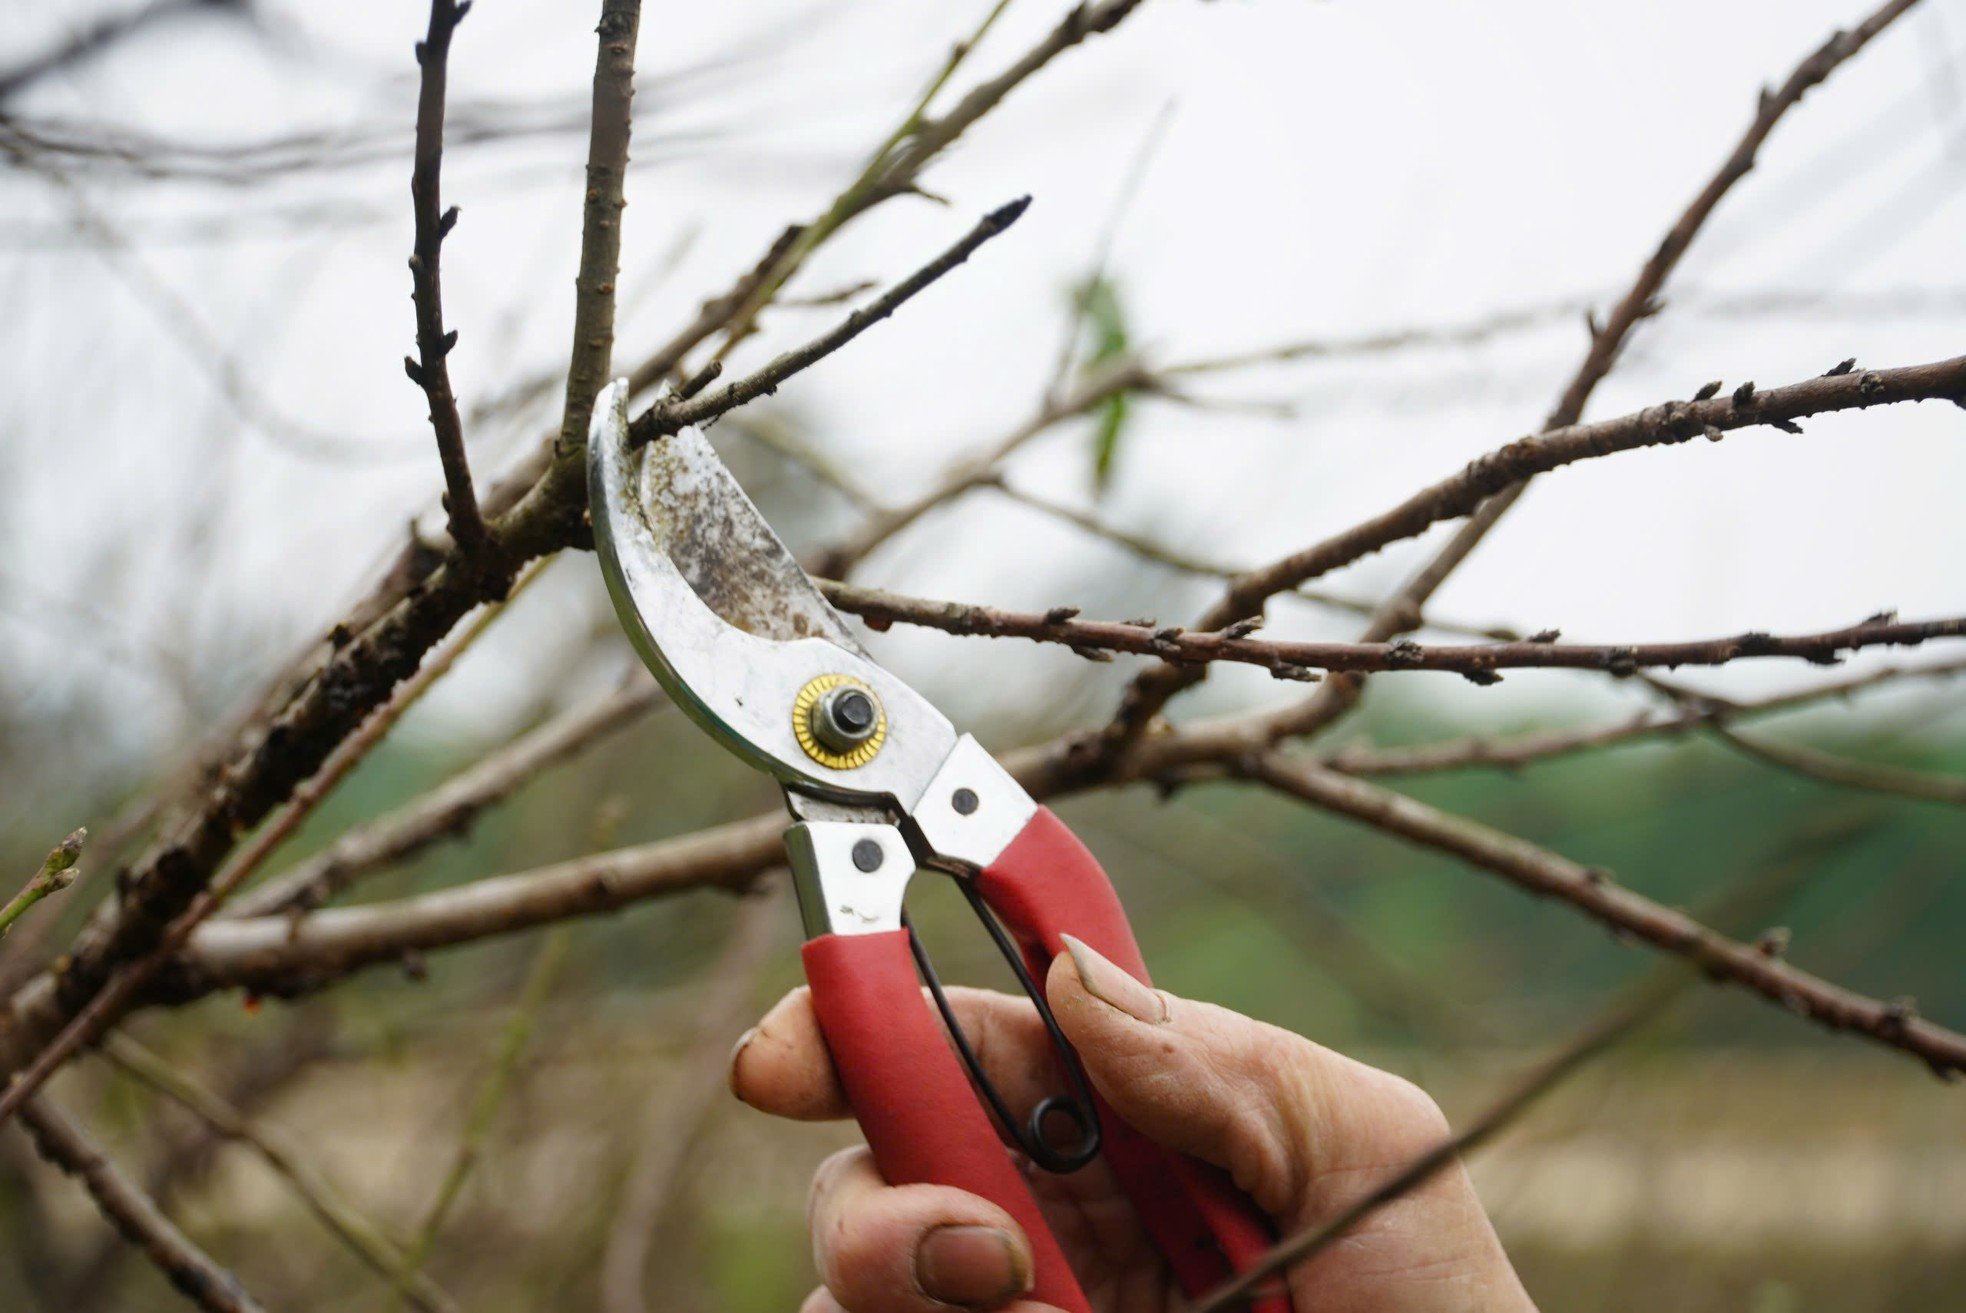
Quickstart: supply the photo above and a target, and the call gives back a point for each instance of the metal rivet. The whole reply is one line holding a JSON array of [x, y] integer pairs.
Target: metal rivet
[[964, 801], [868, 855]]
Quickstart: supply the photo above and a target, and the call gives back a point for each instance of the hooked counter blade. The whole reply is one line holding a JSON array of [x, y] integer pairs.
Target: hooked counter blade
[[727, 550]]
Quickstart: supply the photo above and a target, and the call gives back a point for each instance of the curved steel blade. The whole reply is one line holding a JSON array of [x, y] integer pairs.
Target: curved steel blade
[[727, 620], [726, 550]]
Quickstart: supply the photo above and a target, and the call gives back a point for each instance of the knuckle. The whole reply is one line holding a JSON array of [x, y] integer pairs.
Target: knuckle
[[827, 1179], [1411, 1121], [1301, 1111]]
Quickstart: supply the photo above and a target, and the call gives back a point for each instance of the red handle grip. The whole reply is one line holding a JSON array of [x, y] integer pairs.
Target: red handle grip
[[910, 1094], [1044, 885]]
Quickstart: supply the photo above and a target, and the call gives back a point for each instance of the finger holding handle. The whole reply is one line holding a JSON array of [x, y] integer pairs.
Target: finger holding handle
[[1044, 885], [911, 1096]]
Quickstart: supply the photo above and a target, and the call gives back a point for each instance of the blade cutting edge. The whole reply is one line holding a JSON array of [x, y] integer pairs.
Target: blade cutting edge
[[726, 549]]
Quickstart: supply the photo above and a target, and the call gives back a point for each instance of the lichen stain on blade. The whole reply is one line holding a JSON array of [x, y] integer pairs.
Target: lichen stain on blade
[[725, 548]]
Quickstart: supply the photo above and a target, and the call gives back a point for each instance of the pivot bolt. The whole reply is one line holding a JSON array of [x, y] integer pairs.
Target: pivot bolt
[[844, 717], [838, 721]]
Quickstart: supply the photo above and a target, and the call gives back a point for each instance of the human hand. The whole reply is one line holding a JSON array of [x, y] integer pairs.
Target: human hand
[[1303, 1131]]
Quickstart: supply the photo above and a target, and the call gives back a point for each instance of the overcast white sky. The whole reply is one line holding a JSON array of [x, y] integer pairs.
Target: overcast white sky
[[1325, 170]]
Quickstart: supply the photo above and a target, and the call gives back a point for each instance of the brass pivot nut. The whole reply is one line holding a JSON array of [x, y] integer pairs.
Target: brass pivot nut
[[838, 721]]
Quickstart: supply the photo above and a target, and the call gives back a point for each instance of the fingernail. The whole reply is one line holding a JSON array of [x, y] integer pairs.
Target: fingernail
[[736, 1056], [971, 1266], [1114, 987]]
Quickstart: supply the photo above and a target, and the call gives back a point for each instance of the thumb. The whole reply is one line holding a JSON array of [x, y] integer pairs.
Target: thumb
[[1279, 1113]]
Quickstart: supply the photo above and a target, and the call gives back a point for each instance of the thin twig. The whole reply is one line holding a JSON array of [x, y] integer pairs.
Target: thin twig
[[133, 1213], [670, 416], [1300, 660], [1471, 333], [1872, 777], [858, 195], [1594, 1042], [1091, 389], [56, 874], [1159, 553], [363, 1238], [430, 368], [1696, 712], [490, 1097]]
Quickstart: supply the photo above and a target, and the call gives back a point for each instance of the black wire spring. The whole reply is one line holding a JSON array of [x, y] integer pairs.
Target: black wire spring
[[1075, 1107]]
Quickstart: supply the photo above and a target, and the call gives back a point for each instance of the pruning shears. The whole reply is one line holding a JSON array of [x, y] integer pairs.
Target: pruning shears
[[880, 785]]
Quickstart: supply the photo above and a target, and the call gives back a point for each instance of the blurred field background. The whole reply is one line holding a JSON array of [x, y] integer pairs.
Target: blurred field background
[[206, 444]]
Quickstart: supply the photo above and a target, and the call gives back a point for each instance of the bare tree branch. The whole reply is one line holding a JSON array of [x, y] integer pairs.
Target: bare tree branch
[[1510, 466], [1593, 892], [65, 1144], [1696, 712], [279, 954], [274, 954], [600, 237], [1151, 690], [1300, 660], [448, 809], [430, 369]]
